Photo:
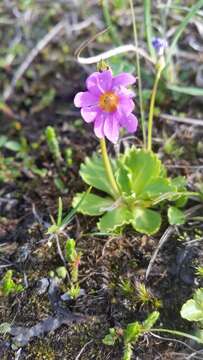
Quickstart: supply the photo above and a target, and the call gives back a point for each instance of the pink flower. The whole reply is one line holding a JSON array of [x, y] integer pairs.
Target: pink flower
[[108, 104]]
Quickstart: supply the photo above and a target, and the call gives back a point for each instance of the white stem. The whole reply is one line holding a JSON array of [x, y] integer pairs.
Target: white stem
[[116, 51]]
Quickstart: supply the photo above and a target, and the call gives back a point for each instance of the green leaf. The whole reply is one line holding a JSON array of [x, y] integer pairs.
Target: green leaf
[[119, 64], [92, 204], [143, 166], [157, 187], [191, 311], [180, 182], [114, 219], [3, 140], [122, 179], [188, 90], [150, 321], [176, 216], [93, 173], [110, 338], [132, 332], [13, 145], [146, 221]]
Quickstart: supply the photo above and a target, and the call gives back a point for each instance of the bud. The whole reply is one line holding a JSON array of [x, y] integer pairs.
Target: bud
[[159, 45]]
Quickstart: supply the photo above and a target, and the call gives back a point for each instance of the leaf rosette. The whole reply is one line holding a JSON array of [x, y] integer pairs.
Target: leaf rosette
[[143, 185]]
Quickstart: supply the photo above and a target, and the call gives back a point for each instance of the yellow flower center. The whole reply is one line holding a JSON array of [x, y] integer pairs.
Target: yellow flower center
[[108, 101]]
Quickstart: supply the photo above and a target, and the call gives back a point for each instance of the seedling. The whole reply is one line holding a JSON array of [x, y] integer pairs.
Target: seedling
[[58, 226], [73, 257], [8, 285], [130, 334], [53, 143], [69, 156]]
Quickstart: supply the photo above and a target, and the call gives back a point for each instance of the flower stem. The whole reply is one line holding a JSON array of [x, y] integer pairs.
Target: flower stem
[[151, 108], [108, 167], [142, 114]]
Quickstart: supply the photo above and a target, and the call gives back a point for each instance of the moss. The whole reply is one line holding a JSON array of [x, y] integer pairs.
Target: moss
[[41, 350]]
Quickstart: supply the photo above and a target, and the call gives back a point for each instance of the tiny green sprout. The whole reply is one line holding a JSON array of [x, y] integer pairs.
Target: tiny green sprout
[[70, 250], [73, 257], [60, 224], [199, 271], [69, 156], [127, 287], [130, 334], [74, 291], [111, 337], [171, 147], [61, 272], [55, 228], [8, 286], [53, 143], [143, 294]]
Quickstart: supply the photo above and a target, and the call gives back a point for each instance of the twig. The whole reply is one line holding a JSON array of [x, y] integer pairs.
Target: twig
[[189, 121], [169, 231], [83, 348], [172, 339], [116, 51], [189, 242]]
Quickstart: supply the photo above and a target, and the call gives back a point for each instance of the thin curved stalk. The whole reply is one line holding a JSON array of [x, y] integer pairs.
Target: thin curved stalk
[[151, 108], [139, 75]]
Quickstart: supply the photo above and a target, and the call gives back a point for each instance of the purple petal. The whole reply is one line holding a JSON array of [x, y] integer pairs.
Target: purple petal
[[92, 83], [99, 126], [126, 105], [124, 79], [89, 113], [129, 122], [111, 128], [105, 81], [122, 91], [84, 99]]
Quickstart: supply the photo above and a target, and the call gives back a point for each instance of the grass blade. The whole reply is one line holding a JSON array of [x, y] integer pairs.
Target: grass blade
[[142, 114], [148, 27], [71, 214], [181, 28], [188, 90], [112, 28], [60, 211]]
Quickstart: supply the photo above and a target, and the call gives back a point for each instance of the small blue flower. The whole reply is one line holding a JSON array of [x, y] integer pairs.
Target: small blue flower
[[159, 45]]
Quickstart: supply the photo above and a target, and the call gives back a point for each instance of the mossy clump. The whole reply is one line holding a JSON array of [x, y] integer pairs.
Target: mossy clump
[[40, 350]]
